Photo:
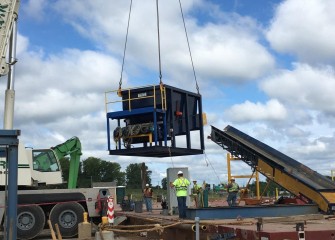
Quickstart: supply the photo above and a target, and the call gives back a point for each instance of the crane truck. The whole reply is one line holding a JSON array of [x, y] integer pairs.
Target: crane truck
[[38, 167]]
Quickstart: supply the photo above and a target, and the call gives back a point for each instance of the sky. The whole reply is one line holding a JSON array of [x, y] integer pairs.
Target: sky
[[265, 67]]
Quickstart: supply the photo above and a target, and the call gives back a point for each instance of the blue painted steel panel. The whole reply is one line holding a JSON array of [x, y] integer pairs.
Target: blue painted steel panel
[[127, 113], [9, 142], [251, 211]]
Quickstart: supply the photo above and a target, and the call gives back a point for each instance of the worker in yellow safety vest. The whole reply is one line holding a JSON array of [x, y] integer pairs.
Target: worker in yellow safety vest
[[233, 189], [197, 194], [181, 184]]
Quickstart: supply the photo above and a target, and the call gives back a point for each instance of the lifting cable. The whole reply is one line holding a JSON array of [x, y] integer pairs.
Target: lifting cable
[[207, 161], [189, 48], [169, 149], [159, 46], [124, 50]]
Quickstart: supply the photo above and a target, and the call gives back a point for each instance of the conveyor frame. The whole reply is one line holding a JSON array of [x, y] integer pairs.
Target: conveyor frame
[[285, 171]]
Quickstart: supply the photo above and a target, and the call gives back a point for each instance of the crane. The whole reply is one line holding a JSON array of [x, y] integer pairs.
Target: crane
[[8, 15], [26, 214], [8, 22]]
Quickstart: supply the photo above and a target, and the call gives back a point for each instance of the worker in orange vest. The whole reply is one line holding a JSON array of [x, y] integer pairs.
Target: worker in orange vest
[[147, 196]]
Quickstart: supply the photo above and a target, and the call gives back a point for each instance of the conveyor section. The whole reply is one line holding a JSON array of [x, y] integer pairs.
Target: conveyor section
[[283, 170]]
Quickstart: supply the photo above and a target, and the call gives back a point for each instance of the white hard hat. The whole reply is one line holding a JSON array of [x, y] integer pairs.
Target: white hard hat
[[180, 172], [232, 178], [147, 185]]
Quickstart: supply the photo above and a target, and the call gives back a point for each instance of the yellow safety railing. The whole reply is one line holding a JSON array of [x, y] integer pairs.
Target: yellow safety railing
[[114, 93]]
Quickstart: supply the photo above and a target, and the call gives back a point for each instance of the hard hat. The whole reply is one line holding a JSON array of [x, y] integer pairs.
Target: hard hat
[[232, 178], [180, 172], [147, 185]]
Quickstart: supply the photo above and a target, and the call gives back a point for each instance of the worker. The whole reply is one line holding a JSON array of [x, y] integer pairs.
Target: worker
[[147, 195], [233, 189], [197, 192], [181, 184], [127, 204], [194, 193]]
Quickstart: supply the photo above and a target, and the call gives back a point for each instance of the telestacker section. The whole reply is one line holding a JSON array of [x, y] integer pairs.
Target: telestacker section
[[283, 170]]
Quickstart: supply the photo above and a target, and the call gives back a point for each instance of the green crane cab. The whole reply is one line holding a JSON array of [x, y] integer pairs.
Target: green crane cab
[[41, 167], [46, 161]]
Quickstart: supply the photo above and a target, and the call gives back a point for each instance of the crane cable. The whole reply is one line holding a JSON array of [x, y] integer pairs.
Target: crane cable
[[189, 48], [208, 162], [124, 50], [174, 189], [159, 47], [170, 155]]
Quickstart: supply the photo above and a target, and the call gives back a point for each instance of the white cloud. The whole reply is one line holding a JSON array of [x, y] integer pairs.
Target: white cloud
[[315, 152], [305, 29], [304, 87], [230, 52], [35, 9], [84, 71], [316, 147], [273, 110], [22, 44], [223, 50], [60, 95], [296, 132]]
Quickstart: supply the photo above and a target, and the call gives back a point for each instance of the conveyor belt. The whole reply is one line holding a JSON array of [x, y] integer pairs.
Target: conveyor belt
[[285, 171]]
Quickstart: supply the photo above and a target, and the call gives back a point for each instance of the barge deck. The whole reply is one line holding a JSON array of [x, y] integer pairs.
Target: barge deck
[[155, 225]]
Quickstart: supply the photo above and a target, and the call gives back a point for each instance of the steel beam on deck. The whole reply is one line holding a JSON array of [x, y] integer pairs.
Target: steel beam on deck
[[279, 210], [9, 143], [238, 232]]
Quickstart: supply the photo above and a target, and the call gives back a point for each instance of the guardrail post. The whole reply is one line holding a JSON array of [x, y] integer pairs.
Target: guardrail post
[[197, 234]]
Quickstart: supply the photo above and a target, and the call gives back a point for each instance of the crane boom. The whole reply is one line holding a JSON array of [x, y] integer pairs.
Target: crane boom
[[71, 147], [8, 15]]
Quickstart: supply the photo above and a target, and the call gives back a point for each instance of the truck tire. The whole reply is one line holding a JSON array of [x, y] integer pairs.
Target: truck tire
[[67, 216], [30, 221]]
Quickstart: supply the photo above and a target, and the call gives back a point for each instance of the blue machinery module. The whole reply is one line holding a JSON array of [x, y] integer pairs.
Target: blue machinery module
[[155, 121]]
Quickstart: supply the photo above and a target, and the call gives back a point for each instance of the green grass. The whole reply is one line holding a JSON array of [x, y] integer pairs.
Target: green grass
[[138, 195]]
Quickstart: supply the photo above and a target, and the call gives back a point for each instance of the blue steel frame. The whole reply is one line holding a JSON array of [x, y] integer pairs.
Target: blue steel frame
[[9, 143], [139, 111], [279, 210]]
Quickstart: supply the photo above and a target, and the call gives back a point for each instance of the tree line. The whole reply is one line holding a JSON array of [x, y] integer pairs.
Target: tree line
[[98, 170]]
